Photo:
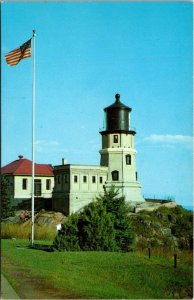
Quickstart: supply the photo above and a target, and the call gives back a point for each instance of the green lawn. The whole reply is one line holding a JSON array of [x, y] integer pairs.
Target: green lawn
[[100, 274]]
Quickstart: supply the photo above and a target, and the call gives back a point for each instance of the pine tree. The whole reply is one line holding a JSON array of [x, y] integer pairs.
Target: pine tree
[[119, 211], [96, 228], [103, 225], [67, 238], [6, 209]]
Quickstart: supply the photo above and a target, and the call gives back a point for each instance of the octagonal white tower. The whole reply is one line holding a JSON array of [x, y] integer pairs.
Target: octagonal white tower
[[118, 152]]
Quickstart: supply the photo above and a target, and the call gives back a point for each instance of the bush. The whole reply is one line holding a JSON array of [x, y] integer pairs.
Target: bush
[[103, 225]]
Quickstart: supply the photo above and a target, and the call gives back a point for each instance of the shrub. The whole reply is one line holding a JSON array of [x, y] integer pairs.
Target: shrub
[[103, 225]]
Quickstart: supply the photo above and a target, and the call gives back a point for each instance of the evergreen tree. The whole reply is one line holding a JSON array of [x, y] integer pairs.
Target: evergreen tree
[[103, 225], [67, 238], [96, 229], [6, 209], [119, 211]]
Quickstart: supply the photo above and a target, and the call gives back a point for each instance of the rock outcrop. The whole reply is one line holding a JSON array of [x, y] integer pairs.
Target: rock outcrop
[[42, 218], [165, 225]]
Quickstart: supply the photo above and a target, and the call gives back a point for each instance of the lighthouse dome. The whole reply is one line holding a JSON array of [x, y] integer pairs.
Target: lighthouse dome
[[117, 115]]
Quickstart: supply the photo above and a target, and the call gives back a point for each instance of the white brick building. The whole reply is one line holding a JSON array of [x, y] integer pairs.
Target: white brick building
[[76, 185]]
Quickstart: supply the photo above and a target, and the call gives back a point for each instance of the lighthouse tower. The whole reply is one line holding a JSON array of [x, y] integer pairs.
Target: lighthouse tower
[[118, 153]]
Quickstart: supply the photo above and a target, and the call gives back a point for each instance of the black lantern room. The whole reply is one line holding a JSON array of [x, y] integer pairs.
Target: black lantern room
[[117, 117]]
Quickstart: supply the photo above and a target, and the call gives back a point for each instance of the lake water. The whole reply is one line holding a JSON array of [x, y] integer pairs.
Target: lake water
[[188, 207]]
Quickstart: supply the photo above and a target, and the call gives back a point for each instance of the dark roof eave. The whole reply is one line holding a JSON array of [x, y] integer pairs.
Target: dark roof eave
[[27, 174], [133, 132], [118, 105]]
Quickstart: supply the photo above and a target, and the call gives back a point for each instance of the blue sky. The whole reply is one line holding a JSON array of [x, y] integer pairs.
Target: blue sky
[[85, 54]]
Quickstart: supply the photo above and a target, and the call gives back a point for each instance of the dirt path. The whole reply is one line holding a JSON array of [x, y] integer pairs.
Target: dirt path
[[30, 287]]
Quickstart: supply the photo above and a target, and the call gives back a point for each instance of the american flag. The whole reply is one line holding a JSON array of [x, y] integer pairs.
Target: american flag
[[14, 57]]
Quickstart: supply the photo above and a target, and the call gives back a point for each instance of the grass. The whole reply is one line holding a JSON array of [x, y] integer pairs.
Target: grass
[[106, 275], [23, 231], [186, 256]]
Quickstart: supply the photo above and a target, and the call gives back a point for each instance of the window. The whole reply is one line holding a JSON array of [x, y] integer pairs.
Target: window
[[93, 179], [58, 179], [24, 184], [115, 138], [115, 175], [66, 178], [75, 178], [100, 179], [136, 176], [128, 159], [37, 187], [48, 184], [85, 179]]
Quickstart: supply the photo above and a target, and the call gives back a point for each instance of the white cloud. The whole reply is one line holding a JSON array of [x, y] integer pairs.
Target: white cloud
[[47, 143], [168, 138], [41, 145]]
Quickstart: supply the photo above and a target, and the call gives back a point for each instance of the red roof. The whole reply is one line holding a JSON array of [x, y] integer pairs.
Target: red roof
[[23, 166]]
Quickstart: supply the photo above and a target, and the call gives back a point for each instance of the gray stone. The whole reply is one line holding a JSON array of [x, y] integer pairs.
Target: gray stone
[[166, 231]]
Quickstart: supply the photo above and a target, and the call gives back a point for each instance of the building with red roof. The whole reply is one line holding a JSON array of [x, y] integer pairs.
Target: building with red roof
[[19, 176]]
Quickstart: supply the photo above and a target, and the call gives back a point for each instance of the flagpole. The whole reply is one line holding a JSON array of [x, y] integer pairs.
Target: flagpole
[[33, 129]]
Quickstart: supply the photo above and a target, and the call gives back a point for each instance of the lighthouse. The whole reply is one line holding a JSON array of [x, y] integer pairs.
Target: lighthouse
[[118, 152], [77, 185]]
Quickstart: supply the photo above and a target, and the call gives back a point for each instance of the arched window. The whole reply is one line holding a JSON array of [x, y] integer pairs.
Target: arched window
[[115, 175], [116, 139], [128, 159]]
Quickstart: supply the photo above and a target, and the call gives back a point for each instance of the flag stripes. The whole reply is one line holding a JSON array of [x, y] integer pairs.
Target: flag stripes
[[14, 57]]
